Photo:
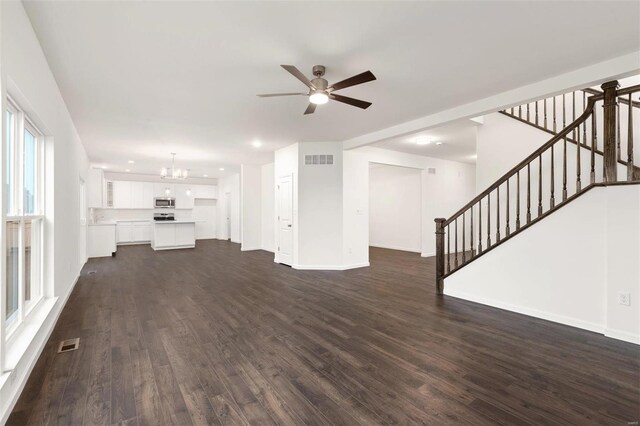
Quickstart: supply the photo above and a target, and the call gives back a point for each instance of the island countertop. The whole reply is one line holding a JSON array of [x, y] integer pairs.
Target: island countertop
[[164, 222]]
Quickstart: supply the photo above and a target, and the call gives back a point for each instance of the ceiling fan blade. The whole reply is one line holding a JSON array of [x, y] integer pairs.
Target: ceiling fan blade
[[298, 74], [269, 95], [310, 109], [353, 81], [350, 101]]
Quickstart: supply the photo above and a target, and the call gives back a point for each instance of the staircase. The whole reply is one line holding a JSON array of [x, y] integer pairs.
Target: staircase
[[594, 149]]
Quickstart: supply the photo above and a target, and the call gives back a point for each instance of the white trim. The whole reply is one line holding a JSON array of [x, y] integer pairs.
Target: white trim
[[40, 340], [249, 248], [394, 248], [622, 335], [427, 254], [330, 267], [561, 319]]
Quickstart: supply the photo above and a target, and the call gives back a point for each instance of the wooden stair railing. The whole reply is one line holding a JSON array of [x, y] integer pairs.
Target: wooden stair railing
[[594, 143], [546, 114]]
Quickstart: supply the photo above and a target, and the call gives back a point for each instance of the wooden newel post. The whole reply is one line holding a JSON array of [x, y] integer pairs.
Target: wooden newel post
[[439, 254], [609, 131]]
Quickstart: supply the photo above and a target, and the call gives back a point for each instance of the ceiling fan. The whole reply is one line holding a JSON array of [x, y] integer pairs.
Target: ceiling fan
[[319, 90]]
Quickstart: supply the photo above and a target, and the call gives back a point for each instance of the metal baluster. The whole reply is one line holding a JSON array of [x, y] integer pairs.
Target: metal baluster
[[540, 184], [498, 215], [594, 144], [519, 111], [518, 201], [480, 226], [564, 152], [536, 113], [575, 138], [545, 113], [554, 114], [630, 141], [463, 239], [552, 182], [448, 249], [528, 192], [507, 230], [455, 243], [584, 125], [619, 156], [511, 110], [473, 250], [488, 221], [528, 119]]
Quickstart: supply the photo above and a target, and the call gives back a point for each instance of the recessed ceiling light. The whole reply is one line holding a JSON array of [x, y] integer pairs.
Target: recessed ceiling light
[[222, 169], [205, 175], [130, 161], [127, 170], [104, 167], [439, 143], [256, 143], [423, 140]]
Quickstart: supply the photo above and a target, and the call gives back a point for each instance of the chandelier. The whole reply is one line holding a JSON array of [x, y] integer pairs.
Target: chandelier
[[173, 173]]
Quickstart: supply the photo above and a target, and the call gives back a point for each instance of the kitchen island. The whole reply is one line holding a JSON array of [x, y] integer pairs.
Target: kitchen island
[[173, 234]]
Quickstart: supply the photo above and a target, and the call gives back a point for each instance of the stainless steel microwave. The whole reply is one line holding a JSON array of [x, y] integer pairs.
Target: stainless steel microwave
[[164, 203]]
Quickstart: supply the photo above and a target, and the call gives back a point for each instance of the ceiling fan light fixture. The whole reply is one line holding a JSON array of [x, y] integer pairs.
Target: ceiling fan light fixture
[[319, 97]]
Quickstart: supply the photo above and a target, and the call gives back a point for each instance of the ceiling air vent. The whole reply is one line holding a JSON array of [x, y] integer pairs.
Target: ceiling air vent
[[318, 160]]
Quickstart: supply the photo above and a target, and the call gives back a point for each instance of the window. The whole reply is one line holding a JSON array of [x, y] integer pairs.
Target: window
[[24, 216]]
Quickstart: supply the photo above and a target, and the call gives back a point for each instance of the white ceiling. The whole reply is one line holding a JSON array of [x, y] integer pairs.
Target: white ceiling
[[457, 142], [143, 79]]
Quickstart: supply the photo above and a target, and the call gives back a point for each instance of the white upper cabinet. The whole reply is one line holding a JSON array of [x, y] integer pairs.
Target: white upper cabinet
[[95, 188], [122, 194], [140, 195]]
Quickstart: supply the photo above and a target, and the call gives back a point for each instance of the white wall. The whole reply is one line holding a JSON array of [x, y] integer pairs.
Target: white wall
[[26, 75], [576, 282], [205, 213], [251, 209], [320, 208], [268, 207], [395, 207], [229, 185], [443, 193]]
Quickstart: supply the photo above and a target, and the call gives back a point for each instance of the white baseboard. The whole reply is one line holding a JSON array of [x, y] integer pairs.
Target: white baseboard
[[330, 267], [622, 335], [390, 247], [561, 319], [243, 248], [427, 254], [35, 350]]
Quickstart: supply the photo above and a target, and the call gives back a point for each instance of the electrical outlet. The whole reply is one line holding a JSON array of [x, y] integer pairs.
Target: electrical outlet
[[624, 299]]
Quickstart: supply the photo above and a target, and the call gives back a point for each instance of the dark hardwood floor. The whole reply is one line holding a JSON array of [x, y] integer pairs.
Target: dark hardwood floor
[[218, 336]]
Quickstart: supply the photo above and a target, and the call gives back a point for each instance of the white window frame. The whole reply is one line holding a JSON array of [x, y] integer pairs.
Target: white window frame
[[21, 122]]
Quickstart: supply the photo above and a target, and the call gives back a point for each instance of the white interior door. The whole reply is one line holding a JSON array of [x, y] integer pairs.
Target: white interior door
[[83, 223], [285, 220], [227, 202]]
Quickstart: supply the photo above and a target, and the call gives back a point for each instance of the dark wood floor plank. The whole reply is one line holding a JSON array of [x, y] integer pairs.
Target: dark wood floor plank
[[219, 336]]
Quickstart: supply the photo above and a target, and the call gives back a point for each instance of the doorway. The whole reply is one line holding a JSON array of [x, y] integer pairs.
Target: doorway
[[284, 253], [227, 206], [395, 207], [82, 243]]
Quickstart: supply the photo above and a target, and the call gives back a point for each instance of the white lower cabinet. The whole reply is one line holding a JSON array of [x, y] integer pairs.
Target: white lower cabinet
[[101, 240], [168, 235], [133, 232]]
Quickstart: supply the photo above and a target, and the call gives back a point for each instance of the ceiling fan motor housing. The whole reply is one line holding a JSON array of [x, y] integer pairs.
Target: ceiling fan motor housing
[[318, 70]]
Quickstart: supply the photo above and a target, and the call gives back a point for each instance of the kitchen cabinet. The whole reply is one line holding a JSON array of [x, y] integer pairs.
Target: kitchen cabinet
[[101, 239], [133, 232], [122, 194], [95, 188], [169, 235], [140, 195]]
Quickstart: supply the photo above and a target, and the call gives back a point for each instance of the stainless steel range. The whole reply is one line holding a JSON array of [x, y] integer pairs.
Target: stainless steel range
[[163, 216]]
